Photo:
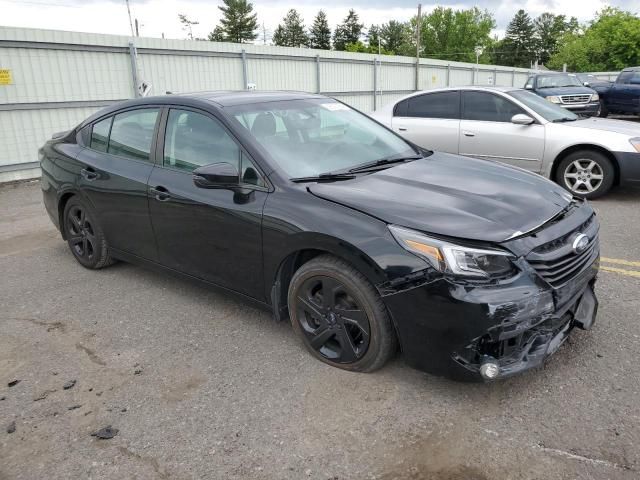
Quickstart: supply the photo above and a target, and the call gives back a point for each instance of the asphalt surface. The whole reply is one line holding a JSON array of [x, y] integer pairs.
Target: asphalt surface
[[200, 385]]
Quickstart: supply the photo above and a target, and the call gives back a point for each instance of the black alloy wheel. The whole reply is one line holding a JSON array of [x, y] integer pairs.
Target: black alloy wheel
[[340, 316], [333, 322], [84, 235]]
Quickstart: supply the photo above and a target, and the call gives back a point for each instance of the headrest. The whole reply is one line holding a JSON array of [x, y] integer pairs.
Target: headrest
[[264, 125]]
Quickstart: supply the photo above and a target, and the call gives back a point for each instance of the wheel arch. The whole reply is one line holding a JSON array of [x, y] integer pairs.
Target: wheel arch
[[279, 281], [585, 146], [62, 203]]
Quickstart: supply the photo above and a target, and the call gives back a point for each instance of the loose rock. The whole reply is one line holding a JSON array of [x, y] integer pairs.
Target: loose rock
[[74, 407], [11, 427], [106, 433], [13, 383], [69, 384]]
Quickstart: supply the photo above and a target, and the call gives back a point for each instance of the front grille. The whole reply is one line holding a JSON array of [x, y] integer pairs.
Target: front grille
[[557, 263], [561, 270], [575, 99]]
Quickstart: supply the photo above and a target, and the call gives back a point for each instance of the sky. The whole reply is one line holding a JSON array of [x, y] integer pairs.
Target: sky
[[158, 17]]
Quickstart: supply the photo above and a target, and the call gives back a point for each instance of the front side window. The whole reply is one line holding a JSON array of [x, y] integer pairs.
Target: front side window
[[193, 140], [435, 105], [100, 135], [487, 107], [542, 107], [308, 137], [132, 134]]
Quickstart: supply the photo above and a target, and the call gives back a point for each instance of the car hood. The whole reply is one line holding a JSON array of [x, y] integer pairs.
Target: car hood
[[618, 126], [452, 196], [546, 92]]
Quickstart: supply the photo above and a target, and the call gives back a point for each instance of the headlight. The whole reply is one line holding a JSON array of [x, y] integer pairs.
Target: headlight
[[553, 99], [636, 143], [451, 258], [595, 97]]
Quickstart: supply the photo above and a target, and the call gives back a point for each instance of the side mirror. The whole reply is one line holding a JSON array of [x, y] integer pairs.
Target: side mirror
[[216, 175], [528, 87], [586, 84], [522, 119]]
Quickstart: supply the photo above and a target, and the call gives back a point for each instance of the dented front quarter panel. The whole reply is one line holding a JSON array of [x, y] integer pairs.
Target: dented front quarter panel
[[448, 326]]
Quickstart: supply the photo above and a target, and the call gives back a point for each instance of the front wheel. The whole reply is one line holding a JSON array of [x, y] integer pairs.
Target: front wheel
[[603, 112], [586, 173], [340, 316], [84, 236]]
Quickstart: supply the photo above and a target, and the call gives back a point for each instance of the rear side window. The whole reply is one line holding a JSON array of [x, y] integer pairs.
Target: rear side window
[[487, 107], [100, 135], [132, 134], [401, 108], [435, 105]]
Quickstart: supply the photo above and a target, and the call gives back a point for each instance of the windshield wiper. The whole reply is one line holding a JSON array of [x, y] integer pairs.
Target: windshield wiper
[[384, 161], [563, 119], [328, 176]]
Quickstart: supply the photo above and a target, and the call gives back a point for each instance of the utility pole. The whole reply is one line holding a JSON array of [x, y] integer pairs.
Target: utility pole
[[130, 22], [418, 25]]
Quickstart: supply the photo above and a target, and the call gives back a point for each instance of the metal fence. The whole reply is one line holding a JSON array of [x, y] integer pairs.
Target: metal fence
[[51, 80]]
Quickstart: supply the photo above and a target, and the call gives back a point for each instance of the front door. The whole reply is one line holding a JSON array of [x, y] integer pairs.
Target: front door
[[211, 234], [115, 167], [486, 132]]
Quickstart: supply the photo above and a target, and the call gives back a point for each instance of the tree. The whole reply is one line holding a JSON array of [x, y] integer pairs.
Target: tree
[[217, 35], [291, 33], [373, 38], [518, 46], [394, 37], [347, 32], [320, 33], [187, 25], [238, 22], [550, 29], [610, 42], [454, 34]]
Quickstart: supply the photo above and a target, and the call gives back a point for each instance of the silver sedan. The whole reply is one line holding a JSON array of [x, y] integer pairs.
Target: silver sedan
[[587, 156]]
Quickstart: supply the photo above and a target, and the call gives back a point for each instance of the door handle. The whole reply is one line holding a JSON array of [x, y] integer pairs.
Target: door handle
[[469, 134], [402, 129], [160, 193], [89, 174]]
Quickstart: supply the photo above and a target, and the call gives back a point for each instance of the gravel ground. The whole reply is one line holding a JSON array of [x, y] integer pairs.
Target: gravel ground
[[200, 385]]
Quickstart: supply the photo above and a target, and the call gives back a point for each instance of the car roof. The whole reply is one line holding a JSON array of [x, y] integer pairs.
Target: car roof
[[631, 69], [228, 98]]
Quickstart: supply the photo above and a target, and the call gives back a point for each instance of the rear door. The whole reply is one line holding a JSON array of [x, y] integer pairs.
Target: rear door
[[212, 234], [486, 131], [115, 168], [430, 120]]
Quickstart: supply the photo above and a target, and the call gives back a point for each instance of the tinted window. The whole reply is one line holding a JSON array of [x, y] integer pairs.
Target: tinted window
[[488, 107], [435, 105], [400, 109], [193, 140], [132, 134], [100, 135], [629, 77]]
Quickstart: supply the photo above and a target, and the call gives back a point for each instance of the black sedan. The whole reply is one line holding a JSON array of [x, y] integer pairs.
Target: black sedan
[[475, 270]]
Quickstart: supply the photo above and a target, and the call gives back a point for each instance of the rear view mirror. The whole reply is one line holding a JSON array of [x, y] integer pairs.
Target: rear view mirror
[[522, 119], [216, 175]]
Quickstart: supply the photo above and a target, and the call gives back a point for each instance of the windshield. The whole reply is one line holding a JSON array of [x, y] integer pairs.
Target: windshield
[[313, 136], [542, 107], [558, 80]]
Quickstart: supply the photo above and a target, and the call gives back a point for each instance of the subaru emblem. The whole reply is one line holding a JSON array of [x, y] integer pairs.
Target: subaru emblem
[[580, 243]]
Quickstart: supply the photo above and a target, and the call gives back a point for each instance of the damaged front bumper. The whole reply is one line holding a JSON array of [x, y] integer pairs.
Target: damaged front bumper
[[452, 329]]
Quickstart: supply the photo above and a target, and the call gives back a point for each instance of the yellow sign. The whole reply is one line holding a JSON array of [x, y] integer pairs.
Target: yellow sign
[[5, 77]]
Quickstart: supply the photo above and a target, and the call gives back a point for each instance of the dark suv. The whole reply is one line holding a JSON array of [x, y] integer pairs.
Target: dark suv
[[622, 96], [567, 91]]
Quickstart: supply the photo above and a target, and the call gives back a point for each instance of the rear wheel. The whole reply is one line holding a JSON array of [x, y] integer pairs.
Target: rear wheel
[[586, 173], [84, 236], [603, 112], [340, 316]]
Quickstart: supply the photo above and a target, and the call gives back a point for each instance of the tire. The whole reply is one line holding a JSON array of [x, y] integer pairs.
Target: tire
[[335, 332], [84, 236], [603, 110], [586, 173]]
